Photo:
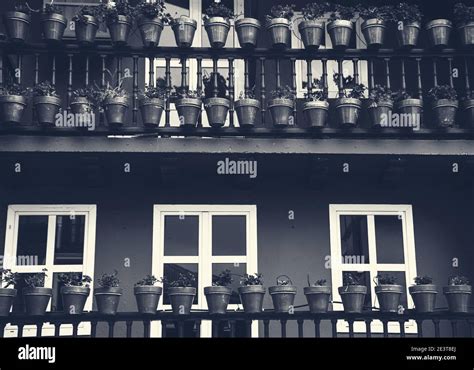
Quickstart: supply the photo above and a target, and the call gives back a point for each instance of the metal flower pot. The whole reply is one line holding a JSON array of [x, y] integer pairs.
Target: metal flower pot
[[36, 300], [353, 297], [86, 32], [318, 298], [53, 26], [247, 110], [12, 108], [316, 113], [312, 33], [283, 297], [150, 30], [17, 26], [217, 29], [82, 105], [74, 298], [217, 298], [217, 109], [251, 297], [184, 32], [438, 32], [413, 107], [380, 113], [467, 107], [147, 297], [280, 34], [181, 299], [151, 111], [445, 112], [340, 32], [107, 300], [374, 32], [281, 111], [47, 109], [116, 110], [348, 110], [247, 31], [189, 110], [458, 297], [389, 296], [424, 297], [407, 36], [466, 33], [7, 297], [120, 30]]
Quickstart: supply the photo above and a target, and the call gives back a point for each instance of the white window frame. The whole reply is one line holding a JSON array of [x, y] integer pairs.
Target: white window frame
[[87, 266], [204, 259], [337, 267]]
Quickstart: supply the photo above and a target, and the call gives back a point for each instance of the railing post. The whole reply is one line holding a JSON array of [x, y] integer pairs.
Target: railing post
[[20, 67], [371, 74], [435, 73], [119, 71], [418, 73], [231, 91], [277, 73], [36, 69], [402, 328], [266, 328], [466, 78], [283, 327], [87, 69], [129, 324], [300, 328], [293, 87], [168, 91], [454, 328], [53, 70], [309, 76], [246, 78], [404, 82], [151, 71], [355, 64], [135, 91], [146, 328], [262, 89], [199, 84], [387, 72], [340, 82], [1, 68], [232, 328], [334, 327], [111, 328], [215, 84], [317, 328], [450, 67], [419, 325], [69, 81], [324, 62], [368, 328], [93, 328], [436, 327]]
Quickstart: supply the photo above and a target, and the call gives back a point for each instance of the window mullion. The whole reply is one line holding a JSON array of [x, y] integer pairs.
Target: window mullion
[[372, 253], [50, 244]]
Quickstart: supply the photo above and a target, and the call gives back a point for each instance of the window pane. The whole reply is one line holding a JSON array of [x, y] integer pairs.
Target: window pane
[[32, 239], [69, 243], [229, 235], [389, 239], [364, 279], [401, 280], [181, 235], [172, 271], [354, 240], [237, 270]]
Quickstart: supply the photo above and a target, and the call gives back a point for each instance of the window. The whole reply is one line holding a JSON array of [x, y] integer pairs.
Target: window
[[60, 238], [204, 240], [372, 239]]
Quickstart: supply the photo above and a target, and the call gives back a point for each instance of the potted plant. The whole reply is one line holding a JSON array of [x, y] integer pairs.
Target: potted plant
[[467, 106], [348, 107], [152, 103], [115, 102], [317, 295], [151, 18], [217, 23], [86, 24], [17, 22], [312, 27], [85, 100], [408, 18], [316, 106], [424, 294], [46, 103], [216, 100], [13, 101], [108, 293], [281, 105], [118, 17], [388, 292], [352, 293], [445, 104], [181, 293], [36, 296], [380, 104], [147, 294], [7, 295], [340, 25], [53, 22], [438, 32], [252, 292], [375, 23], [188, 104], [247, 108], [278, 24], [184, 29], [74, 291], [218, 295], [283, 294], [408, 105], [464, 18], [458, 293], [247, 31]]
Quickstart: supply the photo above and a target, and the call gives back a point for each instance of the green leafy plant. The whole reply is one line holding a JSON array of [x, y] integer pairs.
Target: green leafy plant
[[320, 282], [281, 11], [463, 14], [208, 82], [217, 10], [352, 278], [183, 281], [91, 93], [443, 92], [283, 92], [8, 277], [35, 280], [402, 95], [223, 279], [149, 280], [406, 13], [380, 94], [75, 279], [14, 89], [458, 280], [385, 279], [341, 12], [51, 8], [315, 10], [384, 13], [110, 92], [92, 11], [256, 279], [351, 89], [284, 280], [22, 7], [154, 92], [182, 92], [318, 92], [249, 93], [45, 89], [110, 11], [423, 280], [152, 10], [109, 280]]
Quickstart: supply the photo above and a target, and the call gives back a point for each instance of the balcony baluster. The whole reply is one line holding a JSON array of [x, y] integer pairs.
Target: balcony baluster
[[293, 87], [371, 74], [87, 71], [168, 90], [436, 327], [199, 85], [368, 330], [309, 76], [387, 72], [317, 328], [69, 82], [466, 78], [135, 91], [418, 75], [266, 328], [435, 73], [340, 83], [231, 91], [262, 90], [129, 324], [325, 75]]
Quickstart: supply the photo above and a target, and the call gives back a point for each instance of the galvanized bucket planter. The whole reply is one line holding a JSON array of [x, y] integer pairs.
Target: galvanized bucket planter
[[17, 26], [389, 296], [217, 29], [184, 31], [150, 31], [438, 32], [151, 111], [353, 297], [424, 297], [181, 299], [413, 109], [458, 297], [107, 299], [116, 110], [74, 299], [12, 108], [348, 110], [445, 112], [312, 33], [86, 32], [316, 113], [379, 111], [47, 108], [147, 297], [283, 297], [281, 111], [407, 36], [280, 33], [340, 32], [217, 298], [189, 110], [467, 107], [7, 296], [247, 31], [374, 32], [53, 26], [120, 30], [318, 298], [36, 300], [251, 297], [247, 110], [466, 33], [217, 109]]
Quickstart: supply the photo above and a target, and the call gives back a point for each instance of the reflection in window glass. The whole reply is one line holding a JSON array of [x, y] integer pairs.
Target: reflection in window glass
[[32, 240], [389, 239], [181, 235], [69, 243], [354, 239], [229, 235]]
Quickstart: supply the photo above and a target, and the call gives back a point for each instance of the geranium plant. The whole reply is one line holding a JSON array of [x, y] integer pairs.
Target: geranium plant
[[352, 278], [8, 278], [380, 94], [248, 93], [341, 12], [149, 280], [463, 14], [91, 93], [443, 92], [208, 81], [22, 7], [458, 280], [406, 13], [318, 92], [314, 11], [423, 280], [223, 279], [281, 11], [44, 89], [283, 92], [183, 281], [75, 279], [111, 10], [182, 92], [51, 8], [217, 10], [351, 89], [154, 92], [152, 10], [35, 280], [109, 280], [385, 279], [384, 13], [91, 11], [256, 279], [14, 89]]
